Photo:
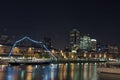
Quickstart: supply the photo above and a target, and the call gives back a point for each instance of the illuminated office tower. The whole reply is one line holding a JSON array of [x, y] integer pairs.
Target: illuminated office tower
[[85, 43], [93, 44], [74, 38]]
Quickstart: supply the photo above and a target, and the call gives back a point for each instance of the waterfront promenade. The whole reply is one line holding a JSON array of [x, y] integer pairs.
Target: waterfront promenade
[[46, 61]]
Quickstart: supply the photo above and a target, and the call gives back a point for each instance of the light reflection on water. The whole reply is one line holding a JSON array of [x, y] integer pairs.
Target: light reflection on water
[[78, 71]]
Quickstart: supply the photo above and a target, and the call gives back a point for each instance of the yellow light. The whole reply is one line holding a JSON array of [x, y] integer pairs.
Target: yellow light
[[1, 45], [104, 55], [90, 55], [61, 51], [53, 51], [85, 55], [72, 56], [100, 55]]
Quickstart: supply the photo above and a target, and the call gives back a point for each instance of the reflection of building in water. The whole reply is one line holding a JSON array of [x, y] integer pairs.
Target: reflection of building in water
[[29, 73], [85, 71], [76, 72], [90, 71], [52, 74], [82, 71], [69, 71], [94, 74], [10, 73], [63, 72], [72, 71], [2, 73]]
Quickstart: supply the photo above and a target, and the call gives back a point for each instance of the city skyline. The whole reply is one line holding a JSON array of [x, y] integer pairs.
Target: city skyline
[[56, 19]]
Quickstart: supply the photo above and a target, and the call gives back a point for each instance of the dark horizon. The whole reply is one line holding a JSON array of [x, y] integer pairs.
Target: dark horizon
[[56, 19]]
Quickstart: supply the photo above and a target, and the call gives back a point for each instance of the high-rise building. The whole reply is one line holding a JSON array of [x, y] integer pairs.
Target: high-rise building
[[85, 43], [93, 44], [74, 38]]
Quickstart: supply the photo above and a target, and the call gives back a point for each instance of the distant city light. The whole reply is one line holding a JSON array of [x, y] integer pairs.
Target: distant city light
[[1, 45], [74, 51], [93, 40]]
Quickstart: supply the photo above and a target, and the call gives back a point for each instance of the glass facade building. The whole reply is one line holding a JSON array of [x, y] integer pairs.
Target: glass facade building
[[85, 43]]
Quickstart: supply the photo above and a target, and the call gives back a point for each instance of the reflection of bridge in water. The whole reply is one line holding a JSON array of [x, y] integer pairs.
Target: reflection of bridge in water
[[26, 42]]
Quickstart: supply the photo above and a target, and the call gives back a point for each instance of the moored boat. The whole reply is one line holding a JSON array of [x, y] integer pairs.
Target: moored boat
[[109, 72]]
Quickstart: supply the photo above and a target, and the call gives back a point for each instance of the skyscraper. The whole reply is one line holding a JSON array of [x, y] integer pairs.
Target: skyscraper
[[74, 38], [93, 44], [85, 43], [88, 44]]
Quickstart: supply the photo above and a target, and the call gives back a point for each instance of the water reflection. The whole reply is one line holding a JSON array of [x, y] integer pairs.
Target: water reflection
[[78, 71]]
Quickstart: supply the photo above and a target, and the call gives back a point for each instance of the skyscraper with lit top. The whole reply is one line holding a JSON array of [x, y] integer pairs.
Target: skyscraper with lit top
[[93, 44]]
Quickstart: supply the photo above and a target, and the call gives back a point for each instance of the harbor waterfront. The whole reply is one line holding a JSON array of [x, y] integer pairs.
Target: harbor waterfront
[[54, 62], [59, 40], [44, 69], [59, 71], [28, 59], [67, 71], [15, 61]]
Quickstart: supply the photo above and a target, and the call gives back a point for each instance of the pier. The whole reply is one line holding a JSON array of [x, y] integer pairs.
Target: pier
[[28, 62], [34, 62]]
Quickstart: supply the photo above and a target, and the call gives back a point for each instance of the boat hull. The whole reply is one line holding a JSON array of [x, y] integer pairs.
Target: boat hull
[[108, 73], [108, 76]]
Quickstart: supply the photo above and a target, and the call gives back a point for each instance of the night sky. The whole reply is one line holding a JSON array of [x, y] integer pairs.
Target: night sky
[[55, 19]]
